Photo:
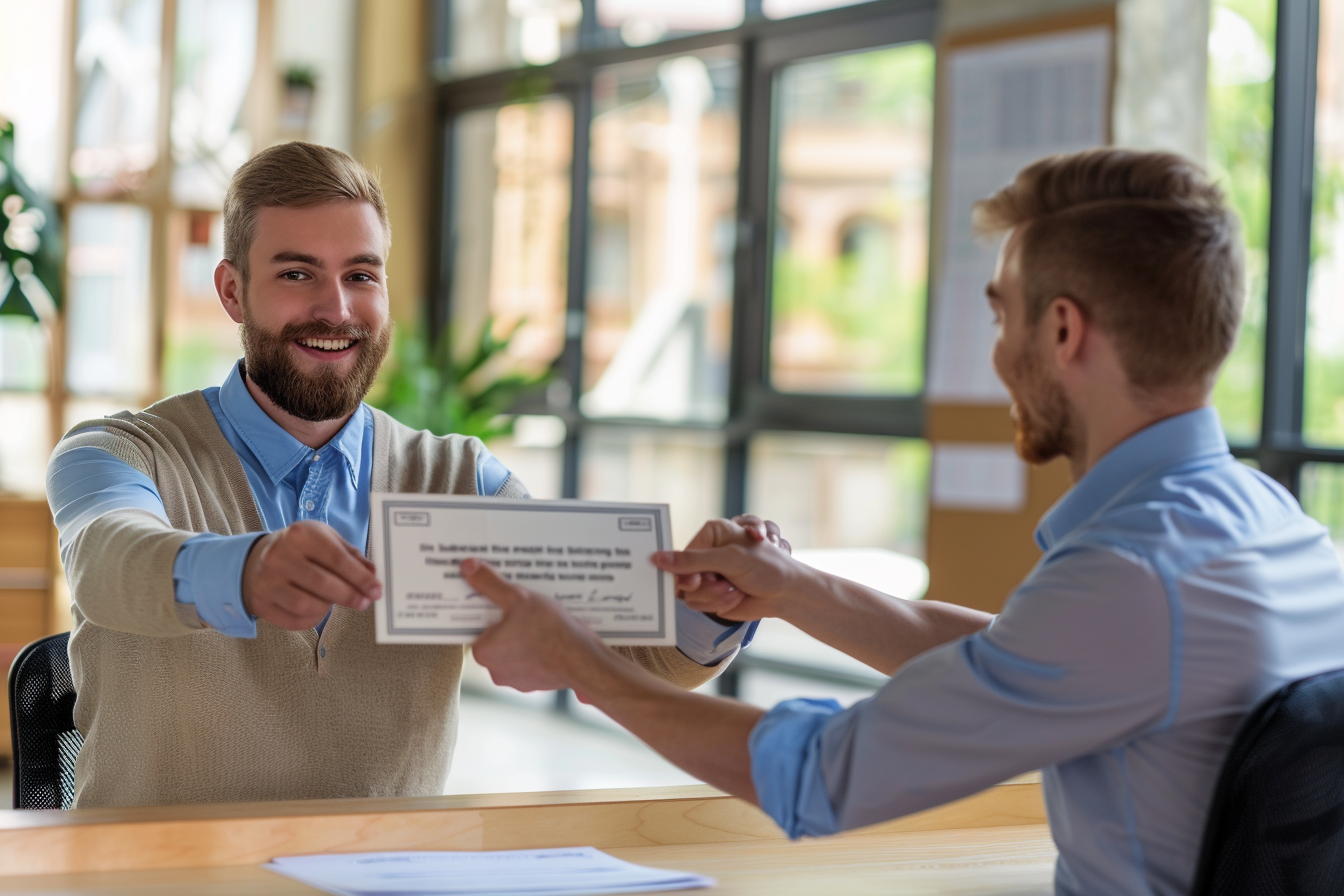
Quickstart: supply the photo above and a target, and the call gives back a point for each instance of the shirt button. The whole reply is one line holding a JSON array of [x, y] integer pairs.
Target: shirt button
[[322, 652], [316, 458], [309, 505]]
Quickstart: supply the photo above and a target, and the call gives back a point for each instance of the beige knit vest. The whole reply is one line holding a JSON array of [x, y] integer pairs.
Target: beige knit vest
[[174, 712]]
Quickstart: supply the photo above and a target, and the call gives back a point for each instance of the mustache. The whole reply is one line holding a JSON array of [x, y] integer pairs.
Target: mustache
[[291, 332]]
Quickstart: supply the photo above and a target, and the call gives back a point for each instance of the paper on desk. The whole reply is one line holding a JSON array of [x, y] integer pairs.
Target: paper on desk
[[580, 869], [593, 558]]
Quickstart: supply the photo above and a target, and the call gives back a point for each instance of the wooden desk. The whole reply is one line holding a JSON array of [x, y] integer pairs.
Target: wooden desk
[[994, 842]]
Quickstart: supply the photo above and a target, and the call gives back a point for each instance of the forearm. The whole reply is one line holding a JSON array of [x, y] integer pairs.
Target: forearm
[[883, 631], [703, 735], [120, 569]]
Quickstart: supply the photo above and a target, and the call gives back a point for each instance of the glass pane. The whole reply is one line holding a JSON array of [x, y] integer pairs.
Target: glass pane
[[23, 354], [1323, 498], [25, 444], [31, 72], [833, 492], [534, 453], [108, 319], [679, 468], [1323, 418], [117, 63], [641, 22], [662, 201], [1241, 116], [200, 341], [510, 222], [782, 9], [851, 222], [485, 35], [216, 51]]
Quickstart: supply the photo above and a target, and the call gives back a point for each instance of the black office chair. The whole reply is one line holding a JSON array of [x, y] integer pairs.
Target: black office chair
[[42, 725], [1276, 825]]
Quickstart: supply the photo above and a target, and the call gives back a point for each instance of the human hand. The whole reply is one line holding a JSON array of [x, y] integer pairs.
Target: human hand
[[530, 646], [293, 576], [709, 592], [730, 570]]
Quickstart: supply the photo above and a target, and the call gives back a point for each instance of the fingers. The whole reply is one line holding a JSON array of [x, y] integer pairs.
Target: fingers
[[724, 561], [482, 577], [760, 530], [339, 573]]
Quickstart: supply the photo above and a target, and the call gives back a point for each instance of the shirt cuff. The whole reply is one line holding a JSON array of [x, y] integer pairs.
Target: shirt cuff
[[208, 573], [785, 748], [708, 642]]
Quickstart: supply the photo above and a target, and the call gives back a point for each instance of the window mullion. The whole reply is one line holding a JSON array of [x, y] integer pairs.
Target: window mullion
[[1291, 190]]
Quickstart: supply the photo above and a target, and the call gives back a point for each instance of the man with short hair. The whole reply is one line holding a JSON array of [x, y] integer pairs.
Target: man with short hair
[[223, 649], [1178, 587]]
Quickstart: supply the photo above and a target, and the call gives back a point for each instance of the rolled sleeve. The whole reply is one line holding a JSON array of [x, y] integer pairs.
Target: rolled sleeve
[[208, 573], [786, 766], [708, 642]]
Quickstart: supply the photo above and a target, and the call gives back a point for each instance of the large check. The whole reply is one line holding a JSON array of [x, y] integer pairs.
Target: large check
[[593, 558]]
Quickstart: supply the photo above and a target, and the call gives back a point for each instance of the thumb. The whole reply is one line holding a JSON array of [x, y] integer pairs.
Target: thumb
[[725, 561], [482, 577]]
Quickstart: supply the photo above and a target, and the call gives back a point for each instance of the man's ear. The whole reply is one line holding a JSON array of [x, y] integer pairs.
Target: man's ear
[[229, 287], [1067, 327]]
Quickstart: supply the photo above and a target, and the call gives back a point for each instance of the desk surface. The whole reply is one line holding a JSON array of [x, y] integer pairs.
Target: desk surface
[[994, 842]]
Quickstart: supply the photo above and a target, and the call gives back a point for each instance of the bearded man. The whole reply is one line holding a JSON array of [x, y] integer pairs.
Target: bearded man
[[223, 649], [1177, 588]]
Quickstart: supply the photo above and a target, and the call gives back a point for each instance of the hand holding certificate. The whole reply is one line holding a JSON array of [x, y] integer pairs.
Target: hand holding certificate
[[592, 558]]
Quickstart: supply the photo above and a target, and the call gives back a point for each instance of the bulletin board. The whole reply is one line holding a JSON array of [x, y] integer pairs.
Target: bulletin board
[[1006, 97]]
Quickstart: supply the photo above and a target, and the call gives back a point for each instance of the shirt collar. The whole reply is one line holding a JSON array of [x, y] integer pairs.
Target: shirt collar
[[277, 451], [1185, 437]]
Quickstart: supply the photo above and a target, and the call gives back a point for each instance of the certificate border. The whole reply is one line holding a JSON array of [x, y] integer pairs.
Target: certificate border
[[639, 510]]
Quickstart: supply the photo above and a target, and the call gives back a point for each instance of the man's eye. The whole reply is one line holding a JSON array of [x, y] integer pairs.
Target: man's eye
[[361, 277], [294, 275]]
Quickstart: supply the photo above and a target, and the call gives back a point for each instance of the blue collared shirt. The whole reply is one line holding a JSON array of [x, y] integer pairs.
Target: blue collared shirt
[[289, 482], [1177, 589]]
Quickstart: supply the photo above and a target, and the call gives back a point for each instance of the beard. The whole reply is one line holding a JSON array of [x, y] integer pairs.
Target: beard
[[327, 395], [1045, 428]]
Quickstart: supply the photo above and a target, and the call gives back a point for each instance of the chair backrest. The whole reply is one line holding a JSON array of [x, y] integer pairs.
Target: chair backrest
[[42, 725], [1276, 824]]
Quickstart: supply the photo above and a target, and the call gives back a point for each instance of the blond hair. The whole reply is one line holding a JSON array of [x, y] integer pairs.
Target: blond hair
[[294, 175], [1147, 246]]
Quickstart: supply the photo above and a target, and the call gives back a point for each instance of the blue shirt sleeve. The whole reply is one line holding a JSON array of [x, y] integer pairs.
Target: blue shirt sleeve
[[85, 483], [786, 767], [490, 474], [706, 641]]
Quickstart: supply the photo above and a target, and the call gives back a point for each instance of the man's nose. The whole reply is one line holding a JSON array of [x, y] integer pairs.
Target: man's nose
[[332, 304]]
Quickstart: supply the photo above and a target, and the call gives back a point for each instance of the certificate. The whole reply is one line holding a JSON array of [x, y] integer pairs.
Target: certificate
[[593, 558]]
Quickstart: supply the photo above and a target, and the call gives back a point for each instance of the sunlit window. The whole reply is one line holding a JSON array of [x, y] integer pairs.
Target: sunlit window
[[850, 271], [1241, 116], [663, 193]]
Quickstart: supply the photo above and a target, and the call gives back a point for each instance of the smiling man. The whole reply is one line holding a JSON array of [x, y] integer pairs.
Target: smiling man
[[223, 648], [1177, 587]]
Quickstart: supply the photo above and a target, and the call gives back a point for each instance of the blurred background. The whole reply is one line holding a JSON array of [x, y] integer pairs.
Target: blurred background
[[651, 250]]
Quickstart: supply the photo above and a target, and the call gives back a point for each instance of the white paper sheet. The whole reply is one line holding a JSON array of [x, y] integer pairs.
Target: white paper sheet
[[978, 477], [1009, 104], [592, 557], [581, 869]]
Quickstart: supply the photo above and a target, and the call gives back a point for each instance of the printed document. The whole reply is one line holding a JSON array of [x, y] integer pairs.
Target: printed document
[[591, 557], [581, 869]]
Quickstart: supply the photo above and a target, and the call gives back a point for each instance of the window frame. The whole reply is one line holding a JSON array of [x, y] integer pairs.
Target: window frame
[[762, 46]]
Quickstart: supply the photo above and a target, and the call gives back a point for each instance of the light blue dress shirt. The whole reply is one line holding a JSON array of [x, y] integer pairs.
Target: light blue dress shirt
[[289, 482], [1178, 588]]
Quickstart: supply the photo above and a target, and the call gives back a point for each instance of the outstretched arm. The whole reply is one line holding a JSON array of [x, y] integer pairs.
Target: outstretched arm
[[760, 580], [537, 643]]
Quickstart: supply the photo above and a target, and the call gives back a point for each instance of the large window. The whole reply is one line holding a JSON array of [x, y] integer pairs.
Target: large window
[[1276, 122], [711, 220]]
